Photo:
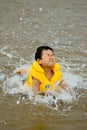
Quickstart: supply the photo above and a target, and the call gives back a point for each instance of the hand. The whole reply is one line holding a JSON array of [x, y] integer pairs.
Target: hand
[[64, 85], [21, 71]]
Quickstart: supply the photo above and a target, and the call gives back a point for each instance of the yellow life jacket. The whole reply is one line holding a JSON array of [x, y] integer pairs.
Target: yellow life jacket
[[37, 72]]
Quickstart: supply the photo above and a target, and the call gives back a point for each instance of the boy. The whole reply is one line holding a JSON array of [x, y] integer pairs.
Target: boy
[[45, 74]]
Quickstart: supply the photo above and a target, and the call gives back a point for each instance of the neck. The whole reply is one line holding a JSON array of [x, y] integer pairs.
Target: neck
[[48, 73]]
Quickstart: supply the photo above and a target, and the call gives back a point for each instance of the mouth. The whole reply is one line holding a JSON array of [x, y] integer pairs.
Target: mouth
[[51, 60]]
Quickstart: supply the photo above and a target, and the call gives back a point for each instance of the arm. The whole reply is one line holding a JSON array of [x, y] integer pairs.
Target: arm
[[35, 86], [21, 71], [64, 85]]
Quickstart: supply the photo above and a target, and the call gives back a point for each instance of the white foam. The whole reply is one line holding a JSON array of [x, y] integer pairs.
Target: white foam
[[72, 80], [14, 85]]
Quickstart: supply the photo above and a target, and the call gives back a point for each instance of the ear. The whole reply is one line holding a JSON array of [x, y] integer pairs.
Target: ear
[[39, 61]]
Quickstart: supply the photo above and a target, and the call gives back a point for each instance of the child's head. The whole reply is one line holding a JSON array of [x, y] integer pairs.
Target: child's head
[[38, 54]]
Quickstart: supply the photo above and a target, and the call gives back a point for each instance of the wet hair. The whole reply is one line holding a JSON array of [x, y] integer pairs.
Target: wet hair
[[38, 53]]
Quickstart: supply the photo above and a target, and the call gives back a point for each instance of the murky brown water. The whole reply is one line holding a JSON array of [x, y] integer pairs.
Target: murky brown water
[[25, 25]]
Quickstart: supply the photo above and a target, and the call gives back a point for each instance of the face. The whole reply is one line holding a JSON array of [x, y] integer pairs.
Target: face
[[48, 59]]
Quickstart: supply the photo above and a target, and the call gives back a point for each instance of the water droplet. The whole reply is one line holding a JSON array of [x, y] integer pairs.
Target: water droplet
[[18, 102], [21, 19], [40, 9]]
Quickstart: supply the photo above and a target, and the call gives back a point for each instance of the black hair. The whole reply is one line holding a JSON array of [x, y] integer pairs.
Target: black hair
[[38, 53]]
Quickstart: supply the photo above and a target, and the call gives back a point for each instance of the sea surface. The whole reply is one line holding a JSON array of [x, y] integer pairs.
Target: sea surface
[[24, 26]]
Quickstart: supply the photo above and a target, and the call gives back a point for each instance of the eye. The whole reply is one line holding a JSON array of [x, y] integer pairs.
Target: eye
[[52, 55], [48, 55]]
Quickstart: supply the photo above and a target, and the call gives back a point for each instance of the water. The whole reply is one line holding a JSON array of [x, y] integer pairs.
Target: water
[[25, 25]]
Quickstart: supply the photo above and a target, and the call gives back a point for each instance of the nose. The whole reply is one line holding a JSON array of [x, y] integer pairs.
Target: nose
[[51, 56]]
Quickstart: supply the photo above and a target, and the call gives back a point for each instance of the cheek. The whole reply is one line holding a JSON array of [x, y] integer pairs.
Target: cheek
[[54, 59], [45, 59]]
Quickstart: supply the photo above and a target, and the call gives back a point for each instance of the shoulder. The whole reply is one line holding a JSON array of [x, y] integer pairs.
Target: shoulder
[[56, 66], [36, 81]]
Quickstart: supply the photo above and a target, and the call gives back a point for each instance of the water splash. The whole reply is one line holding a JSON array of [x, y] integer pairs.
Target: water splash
[[14, 85]]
